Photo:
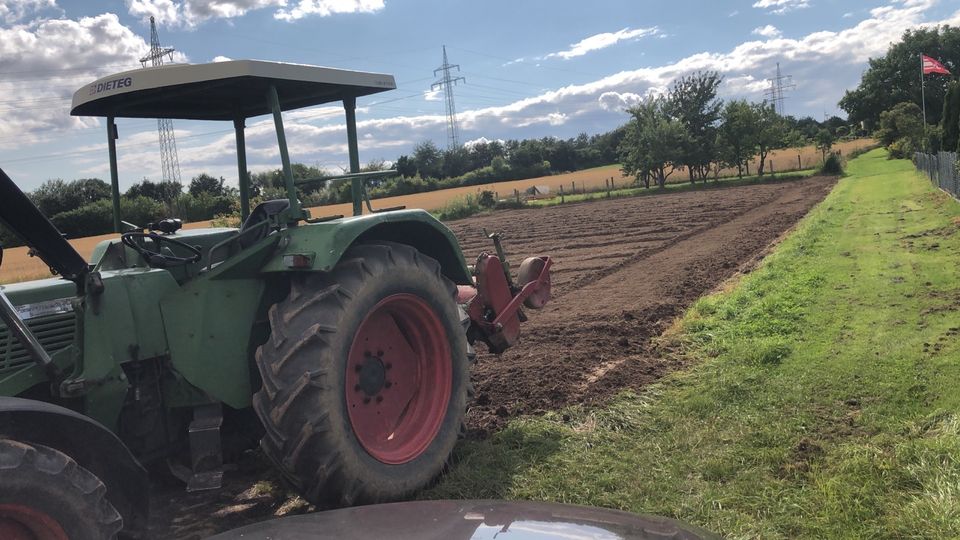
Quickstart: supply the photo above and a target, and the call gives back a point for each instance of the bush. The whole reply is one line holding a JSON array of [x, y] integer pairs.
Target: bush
[[832, 165], [459, 208], [203, 206], [88, 220], [902, 148], [487, 199]]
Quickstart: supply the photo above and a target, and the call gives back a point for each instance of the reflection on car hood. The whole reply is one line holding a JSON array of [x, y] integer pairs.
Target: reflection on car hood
[[470, 520]]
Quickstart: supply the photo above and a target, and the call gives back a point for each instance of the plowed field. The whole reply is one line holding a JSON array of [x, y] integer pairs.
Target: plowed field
[[624, 268]]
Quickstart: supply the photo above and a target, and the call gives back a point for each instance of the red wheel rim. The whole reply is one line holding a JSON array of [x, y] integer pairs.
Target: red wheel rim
[[18, 522], [398, 379]]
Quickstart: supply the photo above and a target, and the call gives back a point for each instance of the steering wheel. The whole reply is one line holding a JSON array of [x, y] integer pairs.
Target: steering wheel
[[156, 258]]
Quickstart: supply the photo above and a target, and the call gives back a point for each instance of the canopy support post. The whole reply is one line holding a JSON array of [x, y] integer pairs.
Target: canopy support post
[[294, 212], [112, 136], [356, 184], [243, 178]]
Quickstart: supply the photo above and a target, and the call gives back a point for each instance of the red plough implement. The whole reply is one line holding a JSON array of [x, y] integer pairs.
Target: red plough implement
[[495, 304]]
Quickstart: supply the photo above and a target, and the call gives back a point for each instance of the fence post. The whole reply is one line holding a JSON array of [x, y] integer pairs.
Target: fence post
[[748, 168], [561, 194], [573, 188], [516, 192], [799, 165]]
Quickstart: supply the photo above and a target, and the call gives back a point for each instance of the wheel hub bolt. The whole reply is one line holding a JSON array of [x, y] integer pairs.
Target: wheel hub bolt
[[379, 399]]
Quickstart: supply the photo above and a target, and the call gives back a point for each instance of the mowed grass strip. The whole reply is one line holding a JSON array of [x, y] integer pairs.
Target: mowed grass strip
[[823, 401]]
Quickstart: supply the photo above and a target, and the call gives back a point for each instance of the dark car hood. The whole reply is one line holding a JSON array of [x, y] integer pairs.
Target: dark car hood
[[470, 520]]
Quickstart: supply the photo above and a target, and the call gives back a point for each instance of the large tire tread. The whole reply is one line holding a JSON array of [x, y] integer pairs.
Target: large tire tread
[[308, 444], [49, 477]]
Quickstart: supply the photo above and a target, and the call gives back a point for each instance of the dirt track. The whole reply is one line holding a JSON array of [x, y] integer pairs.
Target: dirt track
[[623, 269]]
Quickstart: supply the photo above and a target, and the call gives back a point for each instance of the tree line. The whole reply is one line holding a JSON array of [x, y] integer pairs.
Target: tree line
[[889, 101], [690, 128]]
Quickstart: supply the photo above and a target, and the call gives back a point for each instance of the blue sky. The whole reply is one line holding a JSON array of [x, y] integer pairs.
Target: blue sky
[[533, 68]]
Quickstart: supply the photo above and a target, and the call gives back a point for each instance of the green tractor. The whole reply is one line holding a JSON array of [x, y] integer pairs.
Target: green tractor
[[342, 344]]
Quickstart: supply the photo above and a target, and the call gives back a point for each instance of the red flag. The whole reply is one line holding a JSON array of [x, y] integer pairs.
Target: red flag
[[932, 66]]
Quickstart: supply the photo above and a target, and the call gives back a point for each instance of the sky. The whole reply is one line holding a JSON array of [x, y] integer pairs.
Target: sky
[[532, 68]]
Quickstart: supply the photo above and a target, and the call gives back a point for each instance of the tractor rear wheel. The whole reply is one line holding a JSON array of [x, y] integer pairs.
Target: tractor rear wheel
[[365, 377], [45, 495]]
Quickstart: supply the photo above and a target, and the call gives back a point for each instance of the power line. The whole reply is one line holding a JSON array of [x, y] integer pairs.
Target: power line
[[775, 94], [447, 82], [169, 161]]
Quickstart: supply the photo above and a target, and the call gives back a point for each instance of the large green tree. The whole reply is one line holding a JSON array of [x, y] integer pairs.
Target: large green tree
[[652, 143], [771, 133], [950, 121], [164, 191], [429, 159], [737, 135], [895, 77], [56, 196], [693, 101], [204, 183], [901, 129]]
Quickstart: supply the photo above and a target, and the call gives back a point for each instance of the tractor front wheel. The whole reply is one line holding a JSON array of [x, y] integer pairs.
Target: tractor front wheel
[[45, 495], [365, 377]]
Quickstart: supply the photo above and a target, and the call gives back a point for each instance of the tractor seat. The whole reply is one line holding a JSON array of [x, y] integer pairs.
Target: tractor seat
[[262, 212]]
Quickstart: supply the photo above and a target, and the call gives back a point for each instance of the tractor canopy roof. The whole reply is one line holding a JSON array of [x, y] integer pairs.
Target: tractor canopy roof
[[221, 90]]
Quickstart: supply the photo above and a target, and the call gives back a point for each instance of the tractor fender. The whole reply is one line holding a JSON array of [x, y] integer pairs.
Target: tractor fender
[[88, 443], [318, 247]]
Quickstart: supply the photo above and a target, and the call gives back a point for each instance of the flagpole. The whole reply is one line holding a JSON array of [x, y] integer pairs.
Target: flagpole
[[923, 101]]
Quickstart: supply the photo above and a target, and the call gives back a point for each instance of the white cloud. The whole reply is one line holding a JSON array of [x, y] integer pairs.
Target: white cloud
[[781, 6], [848, 14], [616, 101], [164, 11], [63, 55], [602, 41], [734, 13], [221, 58], [190, 13], [768, 31], [826, 62], [431, 95], [743, 86], [13, 11], [481, 140], [821, 59], [325, 8]]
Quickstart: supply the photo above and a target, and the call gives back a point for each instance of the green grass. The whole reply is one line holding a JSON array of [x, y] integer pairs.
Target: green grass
[[823, 401], [675, 187]]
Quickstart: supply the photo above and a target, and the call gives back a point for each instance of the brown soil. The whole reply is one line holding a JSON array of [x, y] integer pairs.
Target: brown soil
[[623, 270]]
